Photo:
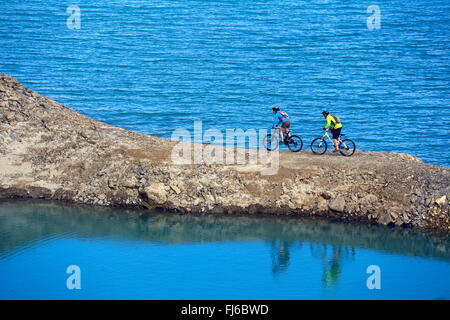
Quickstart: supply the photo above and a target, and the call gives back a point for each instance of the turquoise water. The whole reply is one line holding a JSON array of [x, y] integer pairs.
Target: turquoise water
[[130, 255], [154, 66]]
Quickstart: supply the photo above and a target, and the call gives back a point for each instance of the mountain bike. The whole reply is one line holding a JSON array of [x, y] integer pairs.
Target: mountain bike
[[271, 141], [346, 147]]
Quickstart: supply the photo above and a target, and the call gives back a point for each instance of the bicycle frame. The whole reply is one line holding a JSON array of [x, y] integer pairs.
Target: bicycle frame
[[346, 146], [276, 133], [331, 140]]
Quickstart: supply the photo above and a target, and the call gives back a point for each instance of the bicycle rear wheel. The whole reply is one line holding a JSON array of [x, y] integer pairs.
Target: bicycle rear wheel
[[270, 142], [318, 146], [295, 143], [347, 147]]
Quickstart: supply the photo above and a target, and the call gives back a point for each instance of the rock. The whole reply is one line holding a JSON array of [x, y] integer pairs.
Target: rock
[[385, 219], [321, 205], [441, 201], [156, 193], [175, 188], [141, 170], [10, 116], [131, 182], [113, 184], [101, 172], [337, 204], [19, 118], [326, 195], [395, 213]]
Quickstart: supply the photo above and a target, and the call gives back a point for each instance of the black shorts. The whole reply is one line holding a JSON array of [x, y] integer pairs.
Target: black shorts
[[336, 133]]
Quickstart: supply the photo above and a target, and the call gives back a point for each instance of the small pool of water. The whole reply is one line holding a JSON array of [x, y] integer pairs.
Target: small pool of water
[[127, 254]]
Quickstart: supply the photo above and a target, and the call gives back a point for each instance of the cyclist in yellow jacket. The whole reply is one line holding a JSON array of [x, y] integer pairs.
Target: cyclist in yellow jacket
[[335, 128]]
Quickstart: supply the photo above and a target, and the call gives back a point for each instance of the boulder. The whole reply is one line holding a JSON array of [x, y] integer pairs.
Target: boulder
[[156, 193], [337, 204]]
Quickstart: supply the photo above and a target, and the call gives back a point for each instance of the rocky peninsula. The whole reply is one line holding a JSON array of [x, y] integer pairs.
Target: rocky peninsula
[[50, 151]]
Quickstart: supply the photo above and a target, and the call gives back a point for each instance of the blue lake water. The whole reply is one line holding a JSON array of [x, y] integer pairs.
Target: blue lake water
[[154, 66], [133, 255]]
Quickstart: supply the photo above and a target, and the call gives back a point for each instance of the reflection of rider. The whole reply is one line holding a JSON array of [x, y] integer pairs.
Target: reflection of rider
[[332, 271], [281, 118], [335, 128], [280, 257]]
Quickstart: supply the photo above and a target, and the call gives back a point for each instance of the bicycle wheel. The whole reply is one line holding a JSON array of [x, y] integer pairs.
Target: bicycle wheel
[[270, 143], [347, 147], [295, 143], [318, 146]]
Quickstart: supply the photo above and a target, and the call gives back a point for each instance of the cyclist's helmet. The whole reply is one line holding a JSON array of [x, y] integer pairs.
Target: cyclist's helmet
[[325, 112], [275, 108]]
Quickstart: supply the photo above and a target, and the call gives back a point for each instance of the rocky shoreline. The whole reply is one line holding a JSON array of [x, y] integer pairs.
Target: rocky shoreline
[[50, 151]]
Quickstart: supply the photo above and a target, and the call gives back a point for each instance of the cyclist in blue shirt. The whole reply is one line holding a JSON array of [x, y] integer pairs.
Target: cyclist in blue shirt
[[281, 118]]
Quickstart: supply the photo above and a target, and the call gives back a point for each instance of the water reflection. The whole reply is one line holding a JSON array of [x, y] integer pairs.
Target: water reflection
[[280, 256], [25, 225], [332, 258]]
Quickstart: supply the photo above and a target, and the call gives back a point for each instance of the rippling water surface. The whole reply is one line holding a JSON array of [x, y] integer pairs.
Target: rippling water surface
[[129, 255], [154, 66]]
